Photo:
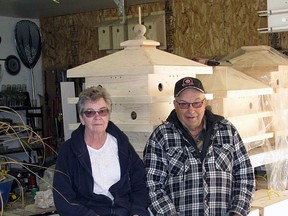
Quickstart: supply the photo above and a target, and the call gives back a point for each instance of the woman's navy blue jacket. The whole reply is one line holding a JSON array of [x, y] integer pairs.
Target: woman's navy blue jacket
[[73, 180]]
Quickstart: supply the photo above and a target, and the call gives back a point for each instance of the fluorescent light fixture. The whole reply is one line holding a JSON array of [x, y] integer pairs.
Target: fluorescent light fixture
[[277, 20], [273, 29], [272, 12]]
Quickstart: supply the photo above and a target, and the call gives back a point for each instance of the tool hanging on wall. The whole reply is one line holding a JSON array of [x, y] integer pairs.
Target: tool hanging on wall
[[28, 45], [209, 62], [12, 65]]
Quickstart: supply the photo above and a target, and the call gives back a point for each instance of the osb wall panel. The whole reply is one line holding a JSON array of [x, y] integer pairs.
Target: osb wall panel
[[283, 40], [215, 28], [73, 39], [70, 40], [206, 29]]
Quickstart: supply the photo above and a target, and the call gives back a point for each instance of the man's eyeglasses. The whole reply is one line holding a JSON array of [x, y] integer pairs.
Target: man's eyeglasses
[[91, 113], [195, 105]]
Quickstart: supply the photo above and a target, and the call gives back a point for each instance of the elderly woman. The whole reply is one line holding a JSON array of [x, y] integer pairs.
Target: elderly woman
[[97, 170]]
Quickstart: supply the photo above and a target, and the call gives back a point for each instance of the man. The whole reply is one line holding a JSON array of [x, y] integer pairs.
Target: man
[[196, 162]]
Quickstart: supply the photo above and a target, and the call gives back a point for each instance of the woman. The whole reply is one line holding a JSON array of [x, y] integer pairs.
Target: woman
[[97, 170]]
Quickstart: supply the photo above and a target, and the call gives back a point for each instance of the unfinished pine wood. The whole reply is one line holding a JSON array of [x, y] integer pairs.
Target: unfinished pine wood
[[240, 106], [271, 203], [254, 212], [229, 82], [138, 57], [266, 155], [150, 84], [70, 114], [280, 79], [262, 63], [138, 140], [240, 99]]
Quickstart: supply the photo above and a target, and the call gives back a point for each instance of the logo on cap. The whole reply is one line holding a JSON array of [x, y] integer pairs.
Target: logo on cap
[[187, 82]]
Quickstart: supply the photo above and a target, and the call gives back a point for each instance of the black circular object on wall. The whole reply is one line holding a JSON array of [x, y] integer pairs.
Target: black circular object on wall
[[12, 65]]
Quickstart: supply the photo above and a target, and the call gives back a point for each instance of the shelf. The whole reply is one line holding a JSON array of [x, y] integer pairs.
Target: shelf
[[32, 114], [21, 134], [31, 147]]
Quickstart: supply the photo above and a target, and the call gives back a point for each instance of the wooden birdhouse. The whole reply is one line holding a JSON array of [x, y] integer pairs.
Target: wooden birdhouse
[[240, 99], [140, 79]]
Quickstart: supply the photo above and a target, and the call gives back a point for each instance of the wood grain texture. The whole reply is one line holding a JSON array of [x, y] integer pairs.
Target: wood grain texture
[[207, 29]]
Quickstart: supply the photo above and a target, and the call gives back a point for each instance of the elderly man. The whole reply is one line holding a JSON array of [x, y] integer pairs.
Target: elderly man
[[196, 162]]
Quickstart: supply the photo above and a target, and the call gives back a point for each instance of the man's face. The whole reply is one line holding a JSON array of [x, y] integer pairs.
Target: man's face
[[190, 107]]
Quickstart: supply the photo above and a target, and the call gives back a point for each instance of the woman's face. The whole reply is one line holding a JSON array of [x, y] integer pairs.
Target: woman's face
[[95, 122]]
